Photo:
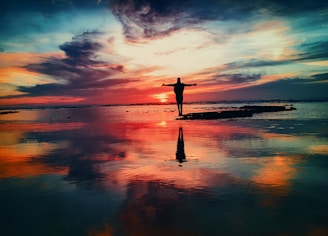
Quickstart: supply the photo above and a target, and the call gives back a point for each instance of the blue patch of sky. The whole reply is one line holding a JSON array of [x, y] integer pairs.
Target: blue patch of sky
[[38, 33]]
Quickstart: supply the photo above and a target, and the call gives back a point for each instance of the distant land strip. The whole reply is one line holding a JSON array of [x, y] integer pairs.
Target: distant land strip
[[7, 112]]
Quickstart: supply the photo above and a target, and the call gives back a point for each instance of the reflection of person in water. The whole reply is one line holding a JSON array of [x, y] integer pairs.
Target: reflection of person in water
[[178, 90], [180, 154]]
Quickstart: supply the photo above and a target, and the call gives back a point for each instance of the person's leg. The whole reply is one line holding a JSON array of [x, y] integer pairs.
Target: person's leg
[[179, 104]]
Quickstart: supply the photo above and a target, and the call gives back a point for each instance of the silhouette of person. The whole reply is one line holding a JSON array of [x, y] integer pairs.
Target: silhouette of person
[[178, 90], [180, 154]]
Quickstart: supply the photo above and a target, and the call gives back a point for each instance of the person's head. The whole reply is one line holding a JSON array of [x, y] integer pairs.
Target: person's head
[[178, 80]]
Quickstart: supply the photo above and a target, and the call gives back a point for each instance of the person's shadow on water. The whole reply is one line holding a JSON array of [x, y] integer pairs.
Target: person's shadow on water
[[180, 154]]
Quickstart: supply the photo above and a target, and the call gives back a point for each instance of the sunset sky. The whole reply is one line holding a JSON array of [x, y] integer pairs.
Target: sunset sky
[[120, 52]]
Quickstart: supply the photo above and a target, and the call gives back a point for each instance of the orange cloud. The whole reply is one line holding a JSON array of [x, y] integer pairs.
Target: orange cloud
[[19, 59], [11, 77]]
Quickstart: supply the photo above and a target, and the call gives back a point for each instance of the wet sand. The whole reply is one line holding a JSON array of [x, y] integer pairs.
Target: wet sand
[[116, 171]]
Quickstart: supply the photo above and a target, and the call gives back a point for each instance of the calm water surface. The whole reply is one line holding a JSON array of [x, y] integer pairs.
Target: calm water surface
[[135, 170]]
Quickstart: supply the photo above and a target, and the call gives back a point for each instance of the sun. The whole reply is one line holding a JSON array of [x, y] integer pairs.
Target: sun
[[162, 97]]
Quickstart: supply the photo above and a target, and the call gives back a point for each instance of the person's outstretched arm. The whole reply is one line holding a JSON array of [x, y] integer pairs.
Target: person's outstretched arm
[[190, 84], [168, 84]]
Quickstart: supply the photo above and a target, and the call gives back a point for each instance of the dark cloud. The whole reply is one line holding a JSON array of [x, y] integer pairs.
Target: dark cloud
[[289, 88], [323, 77], [209, 9], [313, 51], [147, 19], [81, 49], [237, 78], [307, 52], [299, 7], [45, 6], [153, 18], [234, 78], [254, 63], [79, 73], [76, 89]]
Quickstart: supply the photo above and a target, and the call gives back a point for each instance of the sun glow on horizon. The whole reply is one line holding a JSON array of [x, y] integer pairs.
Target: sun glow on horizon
[[162, 97]]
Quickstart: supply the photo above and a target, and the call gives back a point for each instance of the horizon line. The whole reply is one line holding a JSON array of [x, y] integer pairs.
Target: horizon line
[[56, 106]]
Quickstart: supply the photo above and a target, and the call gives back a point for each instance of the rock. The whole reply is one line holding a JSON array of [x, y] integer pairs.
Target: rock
[[245, 111]]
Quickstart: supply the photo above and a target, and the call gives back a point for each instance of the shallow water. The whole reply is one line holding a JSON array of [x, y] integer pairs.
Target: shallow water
[[135, 170]]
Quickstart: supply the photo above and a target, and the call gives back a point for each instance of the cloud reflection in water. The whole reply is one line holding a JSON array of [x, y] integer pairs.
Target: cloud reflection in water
[[235, 174]]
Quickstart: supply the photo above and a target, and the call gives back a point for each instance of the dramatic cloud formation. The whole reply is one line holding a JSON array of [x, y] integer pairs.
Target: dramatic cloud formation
[[78, 71], [113, 51], [150, 18]]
